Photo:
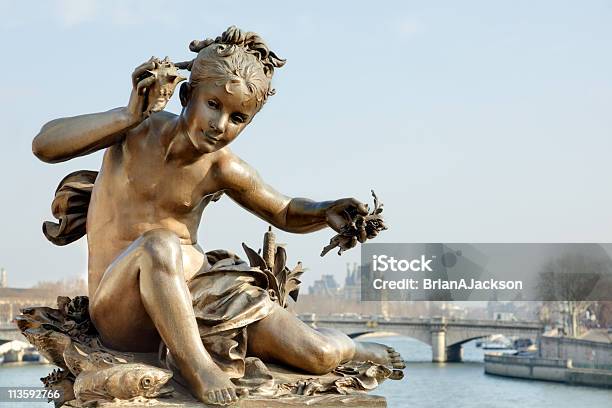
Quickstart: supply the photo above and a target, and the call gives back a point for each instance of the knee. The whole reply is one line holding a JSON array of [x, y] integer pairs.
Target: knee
[[95, 311], [162, 248], [324, 358]]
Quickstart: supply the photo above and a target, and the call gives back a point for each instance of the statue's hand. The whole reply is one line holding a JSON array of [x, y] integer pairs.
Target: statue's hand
[[353, 223], [342, 215], [142, 81]]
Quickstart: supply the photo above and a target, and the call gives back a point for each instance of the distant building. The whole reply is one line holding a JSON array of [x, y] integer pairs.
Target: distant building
[[352, 282], [453, 311], [501, 310], [519, 310], [3, 278], [326, 286], [12, 300]]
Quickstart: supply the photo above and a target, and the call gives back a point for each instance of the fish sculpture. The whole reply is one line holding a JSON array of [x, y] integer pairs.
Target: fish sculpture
[[122, 381], [80, 357], [88, 372]]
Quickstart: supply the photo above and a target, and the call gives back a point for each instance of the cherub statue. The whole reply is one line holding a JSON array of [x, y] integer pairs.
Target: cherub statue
[[147, 272]]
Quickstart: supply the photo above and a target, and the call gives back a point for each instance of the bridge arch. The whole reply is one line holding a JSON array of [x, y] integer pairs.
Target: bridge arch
[[458, 335], [445, 336], [462, 342], [416, 335]]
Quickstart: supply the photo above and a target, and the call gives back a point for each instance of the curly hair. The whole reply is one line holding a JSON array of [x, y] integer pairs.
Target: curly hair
[[234, 57]]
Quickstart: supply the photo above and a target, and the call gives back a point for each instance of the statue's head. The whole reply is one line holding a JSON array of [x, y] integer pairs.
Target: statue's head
[[229, 83]]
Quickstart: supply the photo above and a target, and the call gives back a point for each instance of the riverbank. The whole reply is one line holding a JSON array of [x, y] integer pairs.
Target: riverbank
[[546, 369]]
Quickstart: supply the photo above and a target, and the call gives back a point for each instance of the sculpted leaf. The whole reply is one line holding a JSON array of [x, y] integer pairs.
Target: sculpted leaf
[[255, 260], [280, 260]]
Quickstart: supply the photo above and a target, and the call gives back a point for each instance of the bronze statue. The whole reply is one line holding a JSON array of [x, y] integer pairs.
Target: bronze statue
[[149, 279]]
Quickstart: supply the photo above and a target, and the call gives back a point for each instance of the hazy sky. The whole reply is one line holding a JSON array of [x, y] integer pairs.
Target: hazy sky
[[473, 121]]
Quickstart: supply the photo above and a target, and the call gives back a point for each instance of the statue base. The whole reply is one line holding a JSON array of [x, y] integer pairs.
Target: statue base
[[181, 398], [327, 401], [91, 374]]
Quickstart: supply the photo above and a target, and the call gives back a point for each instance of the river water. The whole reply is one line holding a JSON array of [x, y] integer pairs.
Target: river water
[[426, 384]]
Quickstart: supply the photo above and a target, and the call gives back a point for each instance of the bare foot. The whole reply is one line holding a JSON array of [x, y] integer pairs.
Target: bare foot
[[211, 386], [378, 353], [215, 387]]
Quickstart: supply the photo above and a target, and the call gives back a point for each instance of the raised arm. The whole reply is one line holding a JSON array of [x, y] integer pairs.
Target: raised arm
[[299, 215], [66, 138]]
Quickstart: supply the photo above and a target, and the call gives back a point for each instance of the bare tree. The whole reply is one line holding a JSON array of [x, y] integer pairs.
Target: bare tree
[[570, 283], [545, 313], [603, 311], [66, 287]]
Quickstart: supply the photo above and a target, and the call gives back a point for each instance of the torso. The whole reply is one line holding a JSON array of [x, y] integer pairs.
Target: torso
[[137, 190]]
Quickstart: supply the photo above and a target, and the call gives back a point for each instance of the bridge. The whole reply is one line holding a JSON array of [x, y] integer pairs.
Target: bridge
[[445, 336], [9, 332]]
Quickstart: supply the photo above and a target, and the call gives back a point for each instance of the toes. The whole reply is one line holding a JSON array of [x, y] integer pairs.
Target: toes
[[234, 395], [399, 364], [312, 387], [396, 358], [396, 375], [219, 396], [241, 392], [212, 398], [223, 396], [300, 388], [227, 396]]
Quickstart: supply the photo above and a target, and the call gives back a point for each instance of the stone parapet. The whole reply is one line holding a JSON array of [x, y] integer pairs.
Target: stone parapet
[[536, 368]]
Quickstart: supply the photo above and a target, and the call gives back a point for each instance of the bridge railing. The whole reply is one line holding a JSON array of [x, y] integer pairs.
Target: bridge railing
[[421, 321]]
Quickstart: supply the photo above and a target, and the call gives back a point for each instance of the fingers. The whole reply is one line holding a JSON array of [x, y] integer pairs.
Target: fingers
[[338, 220], [372, 234], [145, 83], [142, 69], [362, 235], [362, 209], [353, 203], [348, 243]]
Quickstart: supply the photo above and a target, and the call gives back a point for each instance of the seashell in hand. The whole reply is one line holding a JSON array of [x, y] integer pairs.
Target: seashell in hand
[[167, 78]]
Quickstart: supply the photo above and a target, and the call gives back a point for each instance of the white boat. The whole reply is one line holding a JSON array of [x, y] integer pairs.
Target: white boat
[[497, 342]]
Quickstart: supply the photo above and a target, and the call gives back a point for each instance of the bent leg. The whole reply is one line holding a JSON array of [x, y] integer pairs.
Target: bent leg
[[281, 337], [144, 292]]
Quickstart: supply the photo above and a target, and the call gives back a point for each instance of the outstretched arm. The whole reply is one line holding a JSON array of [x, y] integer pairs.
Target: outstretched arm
[[299, 215], [66, 138]]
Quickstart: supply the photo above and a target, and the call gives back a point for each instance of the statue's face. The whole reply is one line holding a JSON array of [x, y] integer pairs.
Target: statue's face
[[216, 114]]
